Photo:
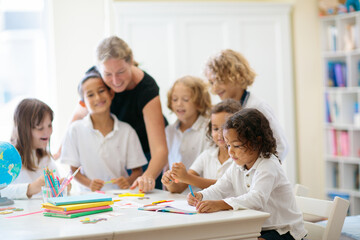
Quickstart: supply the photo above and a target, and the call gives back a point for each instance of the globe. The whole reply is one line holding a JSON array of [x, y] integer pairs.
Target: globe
[[10, 166]]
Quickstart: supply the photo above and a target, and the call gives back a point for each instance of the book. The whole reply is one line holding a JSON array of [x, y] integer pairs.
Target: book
[[169, 209], [177, 206], [77, 211], [71, 207], [75, 215], [94, 197]]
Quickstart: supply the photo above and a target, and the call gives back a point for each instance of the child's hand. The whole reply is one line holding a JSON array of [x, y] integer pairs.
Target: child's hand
[[212, 206], [193, 201], [178, 172], [96, 184], [121, 182], [167, 179], [35, 186]]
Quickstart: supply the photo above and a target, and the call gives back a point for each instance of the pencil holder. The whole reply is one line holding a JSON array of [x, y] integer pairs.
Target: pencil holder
[[47, 192]]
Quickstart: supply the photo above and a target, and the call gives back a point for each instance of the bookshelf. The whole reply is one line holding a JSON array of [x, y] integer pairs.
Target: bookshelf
[[341, 57]]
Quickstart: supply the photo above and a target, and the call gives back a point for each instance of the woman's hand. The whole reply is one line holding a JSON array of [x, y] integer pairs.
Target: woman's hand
[[193, 201], [145, 184], [212, 206], [121, 182]]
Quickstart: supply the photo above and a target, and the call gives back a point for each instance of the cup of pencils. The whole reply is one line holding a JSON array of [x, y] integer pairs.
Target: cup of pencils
[[47, 192], [52, 185]]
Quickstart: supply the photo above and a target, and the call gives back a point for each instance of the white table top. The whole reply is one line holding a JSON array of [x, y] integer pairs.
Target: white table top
[[133, 223]]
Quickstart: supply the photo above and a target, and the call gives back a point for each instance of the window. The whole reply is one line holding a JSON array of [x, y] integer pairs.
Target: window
[[23, 57]]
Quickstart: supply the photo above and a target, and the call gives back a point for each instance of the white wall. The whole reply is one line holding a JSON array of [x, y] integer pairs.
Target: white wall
[[75, 31]]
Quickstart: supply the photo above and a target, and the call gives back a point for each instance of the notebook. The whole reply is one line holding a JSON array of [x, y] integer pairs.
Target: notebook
[[87, 198], [77, 211], [75, 215], [78, 206]]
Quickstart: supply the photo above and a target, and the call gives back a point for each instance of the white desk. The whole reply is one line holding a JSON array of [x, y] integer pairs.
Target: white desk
[[134, 224]]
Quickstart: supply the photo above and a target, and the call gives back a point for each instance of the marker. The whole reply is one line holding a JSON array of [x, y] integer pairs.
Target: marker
[[192, 193], [131, 195], [108, 182]]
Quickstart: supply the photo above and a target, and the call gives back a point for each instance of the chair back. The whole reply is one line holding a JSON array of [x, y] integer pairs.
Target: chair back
[[335, 211]]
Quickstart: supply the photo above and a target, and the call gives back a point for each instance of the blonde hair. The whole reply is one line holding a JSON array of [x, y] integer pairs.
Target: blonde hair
[[114, 47], [199, 93], [28, 114], [230, 66]]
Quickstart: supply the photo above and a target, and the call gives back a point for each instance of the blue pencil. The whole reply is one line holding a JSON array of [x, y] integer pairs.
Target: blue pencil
[[192, 193]]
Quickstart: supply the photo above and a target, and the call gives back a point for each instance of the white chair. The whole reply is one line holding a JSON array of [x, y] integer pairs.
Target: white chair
[[335, 211]]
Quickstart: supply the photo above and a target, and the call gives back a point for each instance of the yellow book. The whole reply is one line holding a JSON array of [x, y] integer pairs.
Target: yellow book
[[70, 207]]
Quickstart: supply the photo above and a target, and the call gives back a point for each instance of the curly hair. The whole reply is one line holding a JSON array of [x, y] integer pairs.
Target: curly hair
[[253, 131], [229, 66], [199, 93], [228, 106]]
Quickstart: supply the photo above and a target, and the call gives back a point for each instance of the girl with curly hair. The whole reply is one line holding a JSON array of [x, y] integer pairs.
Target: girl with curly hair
[[256, 179]]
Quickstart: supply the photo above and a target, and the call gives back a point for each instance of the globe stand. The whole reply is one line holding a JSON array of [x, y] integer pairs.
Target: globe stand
[[5, 201]]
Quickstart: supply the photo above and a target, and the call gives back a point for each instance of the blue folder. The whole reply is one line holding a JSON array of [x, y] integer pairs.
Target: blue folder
[[87, 198]]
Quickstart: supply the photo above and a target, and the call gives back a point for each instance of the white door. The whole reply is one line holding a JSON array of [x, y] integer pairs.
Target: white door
[[173, 39]]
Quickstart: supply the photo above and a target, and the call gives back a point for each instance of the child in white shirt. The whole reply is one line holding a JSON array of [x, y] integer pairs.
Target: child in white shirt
[[255, 180], [212, 163], [104, 146], [190, 100], [230, 75], [31, 136]]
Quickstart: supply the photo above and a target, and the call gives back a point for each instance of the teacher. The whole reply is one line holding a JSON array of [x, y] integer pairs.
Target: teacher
[[136, 102]]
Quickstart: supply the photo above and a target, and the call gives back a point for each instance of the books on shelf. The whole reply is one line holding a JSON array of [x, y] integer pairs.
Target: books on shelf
[[339, 143], [331, 37], [337, 74], [333, 110]]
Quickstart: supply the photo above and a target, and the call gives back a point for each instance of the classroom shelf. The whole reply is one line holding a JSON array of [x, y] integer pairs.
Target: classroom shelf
[[341, 58]]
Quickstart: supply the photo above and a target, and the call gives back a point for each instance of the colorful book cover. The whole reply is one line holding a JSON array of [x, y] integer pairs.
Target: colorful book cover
[[77, 211], [75, 215], [71, 207], [344, 142], [87, 198], [340, 82]]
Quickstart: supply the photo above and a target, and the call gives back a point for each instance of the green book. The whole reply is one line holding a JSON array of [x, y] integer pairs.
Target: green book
[[75, 215]]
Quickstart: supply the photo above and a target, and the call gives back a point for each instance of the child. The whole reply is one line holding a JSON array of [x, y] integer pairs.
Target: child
[[230, 75], [31, 136], [100, 143], [256, 179], [190, 100], [213, 162]]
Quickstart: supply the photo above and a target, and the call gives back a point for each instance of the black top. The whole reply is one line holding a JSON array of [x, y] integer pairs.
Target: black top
[[128, 106]]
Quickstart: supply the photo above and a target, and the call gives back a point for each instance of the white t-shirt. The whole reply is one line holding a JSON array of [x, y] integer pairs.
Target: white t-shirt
[[264, 108], [186, 146], [207, 164], [102, 157], [18, 188], [265, 188]]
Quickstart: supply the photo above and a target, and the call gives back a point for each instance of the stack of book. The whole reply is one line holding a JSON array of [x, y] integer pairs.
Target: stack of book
[[77, 206]]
